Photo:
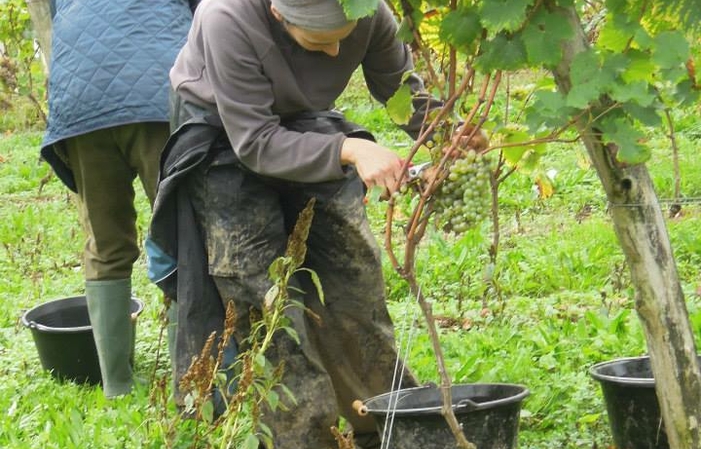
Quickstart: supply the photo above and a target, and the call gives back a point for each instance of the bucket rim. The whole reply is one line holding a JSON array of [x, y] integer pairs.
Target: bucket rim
[[637, 381], [466, 405], [33, 325]]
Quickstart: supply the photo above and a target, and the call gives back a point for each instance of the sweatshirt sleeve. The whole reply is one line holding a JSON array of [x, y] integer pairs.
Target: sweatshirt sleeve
[[244, 98], [386, 62]]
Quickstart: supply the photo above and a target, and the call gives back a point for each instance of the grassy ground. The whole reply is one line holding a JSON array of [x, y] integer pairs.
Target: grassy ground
[[564, 301]]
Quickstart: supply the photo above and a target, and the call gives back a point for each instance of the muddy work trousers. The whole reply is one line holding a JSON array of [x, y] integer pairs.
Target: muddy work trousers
[[347, 351]]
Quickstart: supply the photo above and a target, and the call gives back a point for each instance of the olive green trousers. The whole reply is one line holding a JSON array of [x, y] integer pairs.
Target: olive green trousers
[[105, 164]]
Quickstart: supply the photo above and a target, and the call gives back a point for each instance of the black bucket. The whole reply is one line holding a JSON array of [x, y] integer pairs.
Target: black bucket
[[64, 340], [634, 414], [488, 414]]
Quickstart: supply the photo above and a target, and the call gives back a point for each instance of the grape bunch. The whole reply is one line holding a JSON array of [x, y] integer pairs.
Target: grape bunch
[[464, 199]]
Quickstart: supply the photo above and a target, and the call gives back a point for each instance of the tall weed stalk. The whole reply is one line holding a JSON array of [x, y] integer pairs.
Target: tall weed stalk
[[257, 384]]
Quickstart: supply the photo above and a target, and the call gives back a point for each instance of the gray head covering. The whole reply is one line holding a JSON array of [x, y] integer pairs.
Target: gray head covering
[[319, 15]]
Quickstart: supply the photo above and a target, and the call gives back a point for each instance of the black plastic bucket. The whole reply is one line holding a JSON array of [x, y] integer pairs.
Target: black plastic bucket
[[628, 386], [488, 414], [64, 339]]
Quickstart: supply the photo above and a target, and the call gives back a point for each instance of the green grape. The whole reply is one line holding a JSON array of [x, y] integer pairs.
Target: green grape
[[465, 198]]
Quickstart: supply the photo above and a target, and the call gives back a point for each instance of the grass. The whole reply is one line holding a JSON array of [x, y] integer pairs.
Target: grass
[[564, 300]]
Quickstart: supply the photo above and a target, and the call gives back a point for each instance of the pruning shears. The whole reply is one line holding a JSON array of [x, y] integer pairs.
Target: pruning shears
[[413, 174], [414, 171]]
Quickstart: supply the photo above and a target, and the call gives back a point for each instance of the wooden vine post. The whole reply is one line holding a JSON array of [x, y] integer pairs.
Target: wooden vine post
[[40, 13], [639, 224]]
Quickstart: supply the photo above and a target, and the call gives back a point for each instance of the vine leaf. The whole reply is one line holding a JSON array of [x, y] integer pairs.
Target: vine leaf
[[585, 67], [628, 140], [513, 155], [617, 33], [637, 91], [530, 159], [504, 52], [404, 32], [645, 115], [639, 67], [460, 28], [542, 37], [671, 50], [548, 109], [355, 9], [504, 15], [399, 106], [589, 79]]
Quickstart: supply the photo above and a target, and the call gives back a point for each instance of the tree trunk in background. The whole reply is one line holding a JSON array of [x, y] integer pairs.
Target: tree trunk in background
[[40, 12], [642, 234]]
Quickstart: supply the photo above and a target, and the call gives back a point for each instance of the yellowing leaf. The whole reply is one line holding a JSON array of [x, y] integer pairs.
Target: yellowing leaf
[[545, 186]]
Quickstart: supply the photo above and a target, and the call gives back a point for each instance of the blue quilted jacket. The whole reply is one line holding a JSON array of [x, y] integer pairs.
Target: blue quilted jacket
[[109, 66]]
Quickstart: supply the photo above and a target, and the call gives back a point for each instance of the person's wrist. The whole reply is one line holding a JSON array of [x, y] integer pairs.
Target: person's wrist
[[348, 151]]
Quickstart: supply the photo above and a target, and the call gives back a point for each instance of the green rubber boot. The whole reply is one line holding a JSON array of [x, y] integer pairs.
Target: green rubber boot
[[109, 303]]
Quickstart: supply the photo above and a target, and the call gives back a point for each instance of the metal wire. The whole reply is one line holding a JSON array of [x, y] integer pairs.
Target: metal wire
[[691, 200], [403, 352]]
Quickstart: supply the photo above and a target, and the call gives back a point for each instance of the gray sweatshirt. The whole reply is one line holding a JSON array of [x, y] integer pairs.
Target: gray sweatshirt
[[240, 63]]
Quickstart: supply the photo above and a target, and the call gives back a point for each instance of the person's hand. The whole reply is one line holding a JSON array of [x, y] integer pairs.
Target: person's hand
[[479, 142], [377, 166]]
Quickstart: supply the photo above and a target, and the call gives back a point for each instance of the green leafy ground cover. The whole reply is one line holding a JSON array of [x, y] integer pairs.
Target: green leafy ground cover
[[561, 299]]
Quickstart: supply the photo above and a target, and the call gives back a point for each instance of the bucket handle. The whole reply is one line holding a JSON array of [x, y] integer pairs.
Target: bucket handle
[[40, 327], [467, 405]]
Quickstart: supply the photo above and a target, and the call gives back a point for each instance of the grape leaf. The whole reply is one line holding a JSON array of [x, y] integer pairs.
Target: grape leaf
[[637, 91], [550, 101], [542, 37], [460, 27], [628, 140], [686, 93], [530, 161], [514, 154], [616, 63], [585, 67], [399, 106], [671, 49], [548, 109], [632, 152], [355, 9], [501, 15], [618, 6], [643, 40], [582, 94], [617, 33], [589, 79], [502, 53], [640, 67], [404, 32], [646, 115]]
